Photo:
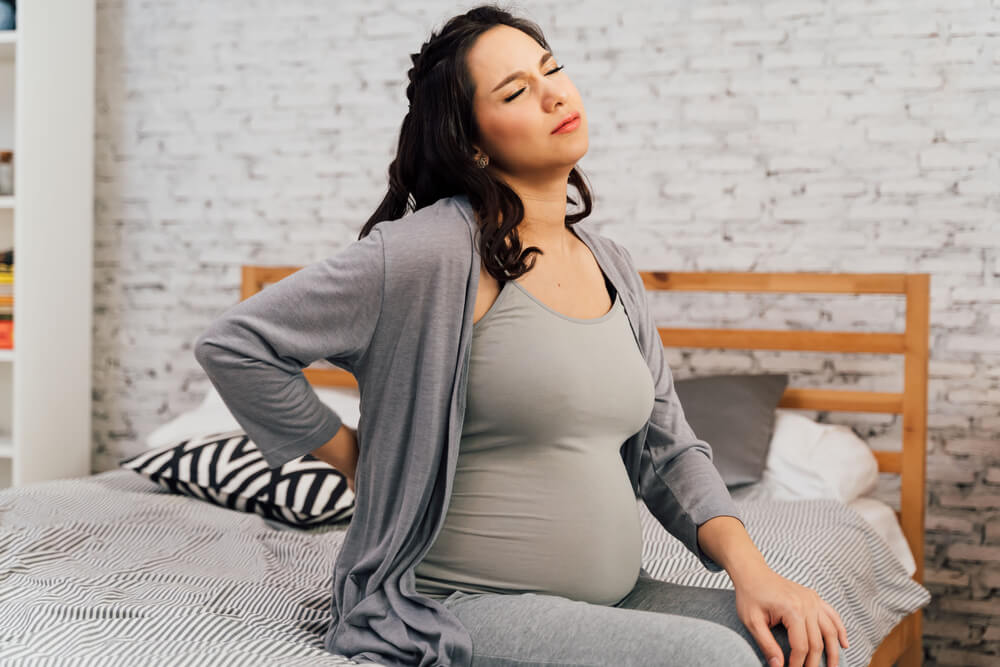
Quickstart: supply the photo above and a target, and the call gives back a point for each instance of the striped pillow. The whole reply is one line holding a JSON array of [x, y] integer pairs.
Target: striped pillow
[[227, 469]]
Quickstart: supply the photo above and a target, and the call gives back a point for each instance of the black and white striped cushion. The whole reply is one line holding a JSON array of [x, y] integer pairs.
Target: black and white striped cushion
[[227, 469]]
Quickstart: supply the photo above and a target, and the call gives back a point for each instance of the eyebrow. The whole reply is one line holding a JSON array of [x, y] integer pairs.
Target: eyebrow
[[545, 56]]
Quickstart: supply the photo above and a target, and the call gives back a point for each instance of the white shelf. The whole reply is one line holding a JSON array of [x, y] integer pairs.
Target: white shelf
[[47, 74], [8, 51], [8, 44]]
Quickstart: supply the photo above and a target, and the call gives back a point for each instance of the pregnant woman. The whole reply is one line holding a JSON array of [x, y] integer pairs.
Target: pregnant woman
[[515, 402]]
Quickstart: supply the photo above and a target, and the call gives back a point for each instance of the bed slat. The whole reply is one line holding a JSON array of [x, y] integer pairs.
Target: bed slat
[[796, 283], [842, 401], [764, 339]]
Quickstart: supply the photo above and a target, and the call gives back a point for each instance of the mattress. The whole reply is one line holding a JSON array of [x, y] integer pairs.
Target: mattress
[[882, 519], [879, 515], [113, 569]]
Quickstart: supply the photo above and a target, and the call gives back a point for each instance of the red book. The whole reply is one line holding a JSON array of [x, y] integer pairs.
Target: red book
[[6, 334]]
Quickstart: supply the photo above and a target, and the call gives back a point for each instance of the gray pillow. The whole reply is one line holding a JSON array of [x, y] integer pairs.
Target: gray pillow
[[735, 415]]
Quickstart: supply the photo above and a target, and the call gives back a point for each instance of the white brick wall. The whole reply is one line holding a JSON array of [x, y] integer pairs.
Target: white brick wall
[[761, 136]]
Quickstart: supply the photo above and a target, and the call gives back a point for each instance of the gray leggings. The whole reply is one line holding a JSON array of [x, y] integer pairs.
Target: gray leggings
[[657, 623]]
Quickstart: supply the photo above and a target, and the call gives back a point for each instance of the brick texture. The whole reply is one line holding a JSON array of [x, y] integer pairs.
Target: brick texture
[[850, 136]]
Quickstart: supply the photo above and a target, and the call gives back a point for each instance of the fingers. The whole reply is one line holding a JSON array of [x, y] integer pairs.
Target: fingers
[[765, 640], [829, 638], [835, 617], [808, 635], [798, 639], [815, 639]]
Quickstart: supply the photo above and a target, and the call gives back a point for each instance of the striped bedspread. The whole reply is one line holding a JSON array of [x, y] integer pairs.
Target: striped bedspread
[[113, 570]]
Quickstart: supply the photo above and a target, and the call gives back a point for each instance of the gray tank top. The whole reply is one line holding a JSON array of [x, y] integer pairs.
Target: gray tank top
[[541, 501]]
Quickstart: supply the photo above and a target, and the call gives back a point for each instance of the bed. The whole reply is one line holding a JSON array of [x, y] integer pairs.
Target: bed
[[116, 569]]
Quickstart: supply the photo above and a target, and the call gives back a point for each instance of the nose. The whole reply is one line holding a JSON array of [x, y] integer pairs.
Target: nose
[[557, 94]]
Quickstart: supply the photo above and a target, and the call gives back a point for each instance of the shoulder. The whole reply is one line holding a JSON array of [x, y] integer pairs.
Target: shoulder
[[437, 238], [442, 225]]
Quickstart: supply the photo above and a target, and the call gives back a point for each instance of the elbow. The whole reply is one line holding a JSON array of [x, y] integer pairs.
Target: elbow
[[219, 348], [202, 353], [205, 347]]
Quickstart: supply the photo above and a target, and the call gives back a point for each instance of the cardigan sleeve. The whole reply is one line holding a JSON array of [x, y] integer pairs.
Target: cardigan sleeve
[[678, 481], [254, 352]]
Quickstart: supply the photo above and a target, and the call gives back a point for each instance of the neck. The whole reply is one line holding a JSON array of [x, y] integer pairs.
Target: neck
[[544, 223]]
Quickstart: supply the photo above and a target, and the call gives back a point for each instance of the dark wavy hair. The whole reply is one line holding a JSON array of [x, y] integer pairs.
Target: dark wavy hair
[[434, 158]]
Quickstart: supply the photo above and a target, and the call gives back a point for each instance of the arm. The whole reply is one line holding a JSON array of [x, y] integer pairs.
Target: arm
[[686, 493], [341, 452], [255, 351], [725, 540]]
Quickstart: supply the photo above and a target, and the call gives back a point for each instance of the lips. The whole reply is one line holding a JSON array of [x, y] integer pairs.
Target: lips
[[571, 117]]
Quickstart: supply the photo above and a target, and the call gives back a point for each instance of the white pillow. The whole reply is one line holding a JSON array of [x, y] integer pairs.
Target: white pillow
[[812, 460], [212, 416]]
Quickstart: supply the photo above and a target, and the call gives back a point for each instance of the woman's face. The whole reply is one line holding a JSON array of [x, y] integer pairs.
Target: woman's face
[[516, 118]]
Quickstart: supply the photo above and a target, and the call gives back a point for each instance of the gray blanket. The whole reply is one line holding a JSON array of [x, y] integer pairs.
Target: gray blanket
[[112, 569]]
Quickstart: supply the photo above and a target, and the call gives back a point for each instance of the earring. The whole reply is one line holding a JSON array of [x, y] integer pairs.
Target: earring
[[482, 161]]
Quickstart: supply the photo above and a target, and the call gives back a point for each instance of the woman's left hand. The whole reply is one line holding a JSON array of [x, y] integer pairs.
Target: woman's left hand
[[767, 598]]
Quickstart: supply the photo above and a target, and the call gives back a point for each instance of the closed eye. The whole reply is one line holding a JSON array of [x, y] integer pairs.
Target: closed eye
[[522, 90]]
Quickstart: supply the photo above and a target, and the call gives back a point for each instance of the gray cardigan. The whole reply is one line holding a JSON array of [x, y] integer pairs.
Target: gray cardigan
[[395, 309]]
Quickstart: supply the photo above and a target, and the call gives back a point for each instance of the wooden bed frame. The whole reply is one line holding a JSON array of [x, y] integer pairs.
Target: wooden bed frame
[[902, 646]]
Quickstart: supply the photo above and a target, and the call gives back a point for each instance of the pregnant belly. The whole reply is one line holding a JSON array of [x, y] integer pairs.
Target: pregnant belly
[[572, 532]]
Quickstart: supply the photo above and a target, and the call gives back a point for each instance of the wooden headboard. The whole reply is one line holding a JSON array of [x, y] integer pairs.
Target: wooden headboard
[[913, 343]]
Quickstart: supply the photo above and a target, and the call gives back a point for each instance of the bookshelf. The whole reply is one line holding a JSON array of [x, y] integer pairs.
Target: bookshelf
[[47, 102]]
